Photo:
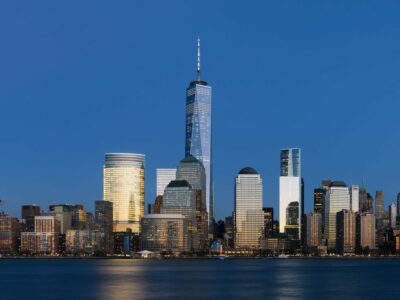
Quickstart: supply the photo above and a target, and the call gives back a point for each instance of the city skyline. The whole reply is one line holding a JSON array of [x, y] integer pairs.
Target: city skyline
[[58, 157]]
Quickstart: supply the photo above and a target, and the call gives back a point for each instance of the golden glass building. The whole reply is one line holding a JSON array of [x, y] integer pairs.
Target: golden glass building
[[124, 187]]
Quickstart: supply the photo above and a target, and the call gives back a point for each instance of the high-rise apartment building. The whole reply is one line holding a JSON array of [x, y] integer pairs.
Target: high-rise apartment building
[[124, 187], [337, 198], [248, 213], [164, 177], [290, 195], [345, 231], [198, 140]]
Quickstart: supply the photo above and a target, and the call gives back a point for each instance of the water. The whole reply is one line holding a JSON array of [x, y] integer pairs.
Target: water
[[199, 279]]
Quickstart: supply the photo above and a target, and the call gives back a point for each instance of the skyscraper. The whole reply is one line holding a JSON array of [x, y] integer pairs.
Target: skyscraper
[[104, 223], [313, 224], [28, 214], [124, 187], [248, 213], [379, 208], [355, 198], [198, 140], [366, 224], [337, 198], [392, 215], [290, 191], [164, 176], [319, 195], [345, 231], [192, 170]]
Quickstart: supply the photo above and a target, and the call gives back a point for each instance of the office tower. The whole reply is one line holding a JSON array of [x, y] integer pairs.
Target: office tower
[[164, 232], [268, 221], [290, 191], [249, 216], [104, 224], [355, 198], [158, 204], [345, 231], [198, 140], [28, 214], [179, 198], [229, 232], [164, 176], [366, 231], [79, 217], [124, 187], [62, 213], [392, 215], [192, 170], [379, 209], [337, 198], [9, 233], [313, 224], [319, 195]]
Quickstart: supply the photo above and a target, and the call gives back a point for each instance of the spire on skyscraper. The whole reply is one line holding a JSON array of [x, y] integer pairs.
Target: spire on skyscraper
[[198, 58]]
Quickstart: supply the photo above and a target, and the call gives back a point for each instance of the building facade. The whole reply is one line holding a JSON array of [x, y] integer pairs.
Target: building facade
[[337, 198], [248, 213], [290, 192], [104, 224], [9, 234], [367, 231], [355, 198], [198, 133], [164, 176], [345, 232], [124, 175], [313, 226], [319, 195], [164, 232]]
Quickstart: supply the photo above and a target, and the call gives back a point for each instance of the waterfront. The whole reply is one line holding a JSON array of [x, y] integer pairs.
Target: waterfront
[[199, 279]]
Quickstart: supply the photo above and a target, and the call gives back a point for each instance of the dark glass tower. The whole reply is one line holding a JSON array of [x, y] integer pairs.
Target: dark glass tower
[[198, 130]]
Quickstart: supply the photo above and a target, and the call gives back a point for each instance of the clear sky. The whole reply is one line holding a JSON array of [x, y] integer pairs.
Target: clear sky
[[82, 78]]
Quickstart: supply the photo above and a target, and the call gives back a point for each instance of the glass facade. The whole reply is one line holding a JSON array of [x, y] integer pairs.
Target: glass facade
[[164, 176], [248, 214], [337, 198], [198, 133], [124, 187], [290, 190]]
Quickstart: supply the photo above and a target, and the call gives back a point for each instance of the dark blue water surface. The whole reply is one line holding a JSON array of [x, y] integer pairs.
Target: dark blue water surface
[[199, 279]]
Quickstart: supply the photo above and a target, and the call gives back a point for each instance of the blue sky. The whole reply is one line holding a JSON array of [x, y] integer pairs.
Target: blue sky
[[79, 79]]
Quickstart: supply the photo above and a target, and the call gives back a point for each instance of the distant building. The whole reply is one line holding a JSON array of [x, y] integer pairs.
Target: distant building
[[392, 215], [355, 198], [313, 226], [192, 170], [164, 232], [9, 234], [366, 201], [249, 216], [164, 177], [79, 217], [345, 231], [40, 243], [62, 213], [379, 208], [337, 199], [179, 198], [28, 214], [319, 195], [126, 242], [367, 231], [47, 224], [124, 186], [268, 221], [398, 204], [290, 191], [82, 241], [104, 224]]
